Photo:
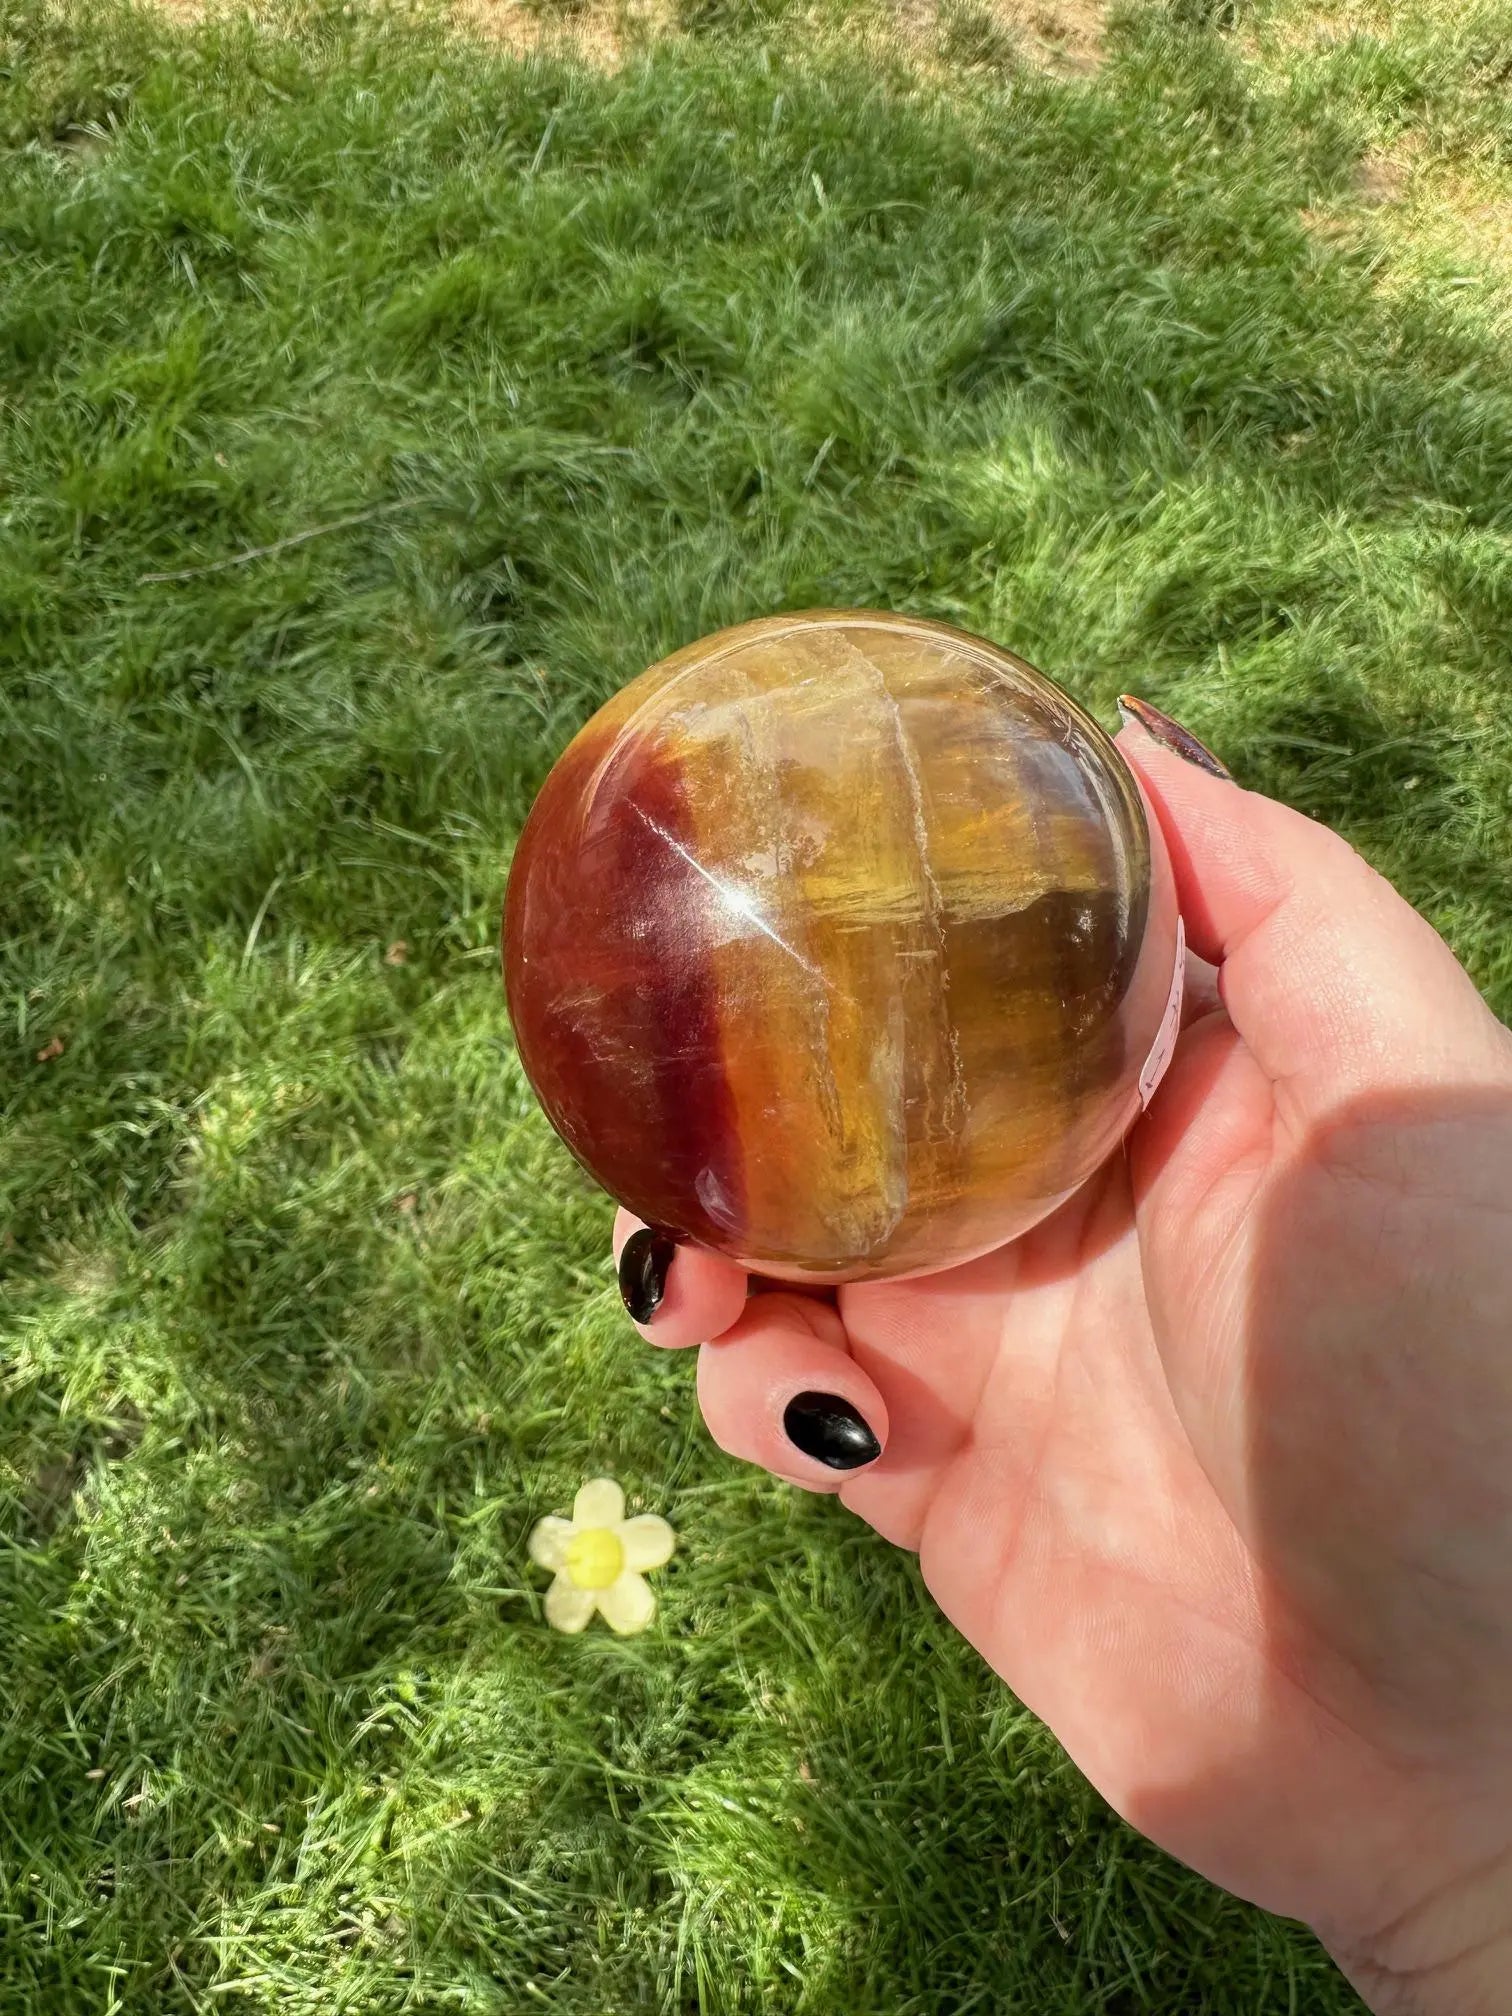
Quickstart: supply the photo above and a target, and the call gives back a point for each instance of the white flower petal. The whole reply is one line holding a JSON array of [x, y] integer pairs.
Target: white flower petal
[[627, 1604], [568, 1608], [600, 1503], [647, 1540], [548, 1543]]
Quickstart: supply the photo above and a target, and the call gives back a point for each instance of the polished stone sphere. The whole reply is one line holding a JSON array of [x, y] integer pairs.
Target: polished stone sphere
[[841, 943]]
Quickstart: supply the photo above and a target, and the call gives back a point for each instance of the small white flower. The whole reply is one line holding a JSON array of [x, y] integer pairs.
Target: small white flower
[[600, 1558]]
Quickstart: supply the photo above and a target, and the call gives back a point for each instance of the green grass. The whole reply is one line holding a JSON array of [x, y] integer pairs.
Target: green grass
[[305, 1316]]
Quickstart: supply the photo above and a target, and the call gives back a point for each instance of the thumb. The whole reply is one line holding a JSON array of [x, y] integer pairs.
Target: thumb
[[1332, 980]]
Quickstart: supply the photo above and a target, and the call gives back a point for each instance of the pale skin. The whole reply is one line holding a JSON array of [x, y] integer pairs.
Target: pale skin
[[1215, 1466]]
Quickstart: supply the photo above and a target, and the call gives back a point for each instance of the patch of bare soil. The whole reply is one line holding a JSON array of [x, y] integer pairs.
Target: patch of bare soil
[[1381, 182], [1062, 35], [1435, 224], [598, 32]]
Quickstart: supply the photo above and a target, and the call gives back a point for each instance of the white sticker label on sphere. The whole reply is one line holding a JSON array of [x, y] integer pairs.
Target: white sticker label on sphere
[[1170, 1024]]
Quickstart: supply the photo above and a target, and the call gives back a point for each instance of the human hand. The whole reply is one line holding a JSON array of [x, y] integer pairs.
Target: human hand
[[1215, 1466]]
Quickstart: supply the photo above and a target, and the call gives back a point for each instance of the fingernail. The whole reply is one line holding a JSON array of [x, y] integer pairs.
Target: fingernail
[[643, 1263], [1171, 735], [830, 1430]]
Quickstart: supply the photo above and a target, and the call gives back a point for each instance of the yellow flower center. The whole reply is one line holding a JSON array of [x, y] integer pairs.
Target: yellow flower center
[[594, 1558]]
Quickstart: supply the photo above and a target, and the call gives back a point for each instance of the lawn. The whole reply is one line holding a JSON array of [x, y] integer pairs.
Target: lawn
[[372, 404]]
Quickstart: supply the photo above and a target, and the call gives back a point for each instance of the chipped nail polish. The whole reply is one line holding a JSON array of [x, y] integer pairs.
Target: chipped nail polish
[[1171, 735]]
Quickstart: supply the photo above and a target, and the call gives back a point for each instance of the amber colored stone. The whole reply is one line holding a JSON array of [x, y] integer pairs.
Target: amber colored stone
[[838, 942]]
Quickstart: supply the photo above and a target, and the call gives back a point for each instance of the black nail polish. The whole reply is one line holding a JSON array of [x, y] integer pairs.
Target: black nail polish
[[830, 1430], [1171, 735], [643, 1263]]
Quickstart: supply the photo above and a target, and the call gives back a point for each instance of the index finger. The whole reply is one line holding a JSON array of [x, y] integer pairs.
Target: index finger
[[1332, 979]]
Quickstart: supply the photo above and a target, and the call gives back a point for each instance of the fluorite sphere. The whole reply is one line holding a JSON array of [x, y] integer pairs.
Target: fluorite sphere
[[839, 942]]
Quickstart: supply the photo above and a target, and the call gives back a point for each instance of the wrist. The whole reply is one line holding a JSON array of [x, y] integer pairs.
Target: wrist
[[1449, 1955]]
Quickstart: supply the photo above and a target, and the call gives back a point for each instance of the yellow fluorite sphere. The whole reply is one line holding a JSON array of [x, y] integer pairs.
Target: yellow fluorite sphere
[[841, 943]]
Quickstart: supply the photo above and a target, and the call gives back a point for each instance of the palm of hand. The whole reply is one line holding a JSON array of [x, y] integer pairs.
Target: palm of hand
[[1213, 1466], [1145, 1478]]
